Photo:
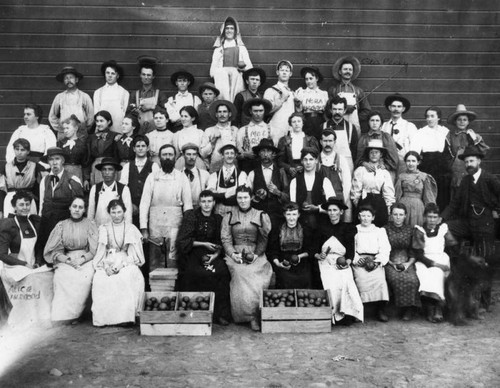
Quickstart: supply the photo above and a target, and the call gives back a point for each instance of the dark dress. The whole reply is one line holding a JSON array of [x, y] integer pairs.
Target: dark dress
[[403, 284], [193, 274]]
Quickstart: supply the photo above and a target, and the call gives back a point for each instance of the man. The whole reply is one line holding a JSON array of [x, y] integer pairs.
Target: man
[[336, 169], [269, 183], [166, 196], [222, 132], [254, 78], [104, 192], [209, 94], [400, 129], [144, 100], [346, 136], [223, 183], [282, 99], [112, 97], [181, 80], [198, 179], [250, 135], [71, 101], [56, 193], [475, 205], [345, 70]]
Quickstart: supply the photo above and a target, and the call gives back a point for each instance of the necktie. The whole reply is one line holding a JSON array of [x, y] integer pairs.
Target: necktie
[[189, 174], [20, 174], [102, 136], [392, 129], [54, 179]]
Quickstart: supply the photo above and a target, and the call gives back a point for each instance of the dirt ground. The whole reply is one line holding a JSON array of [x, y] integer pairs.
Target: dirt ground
[[395, 354]]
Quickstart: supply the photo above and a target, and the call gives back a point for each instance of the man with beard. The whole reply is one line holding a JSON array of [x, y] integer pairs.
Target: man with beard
[[346, 136], [166, 196], [269, 183], [71, 102], [254, 78], [475, 204], [345, 70], [336, 169], [198, 178], [400, 129]]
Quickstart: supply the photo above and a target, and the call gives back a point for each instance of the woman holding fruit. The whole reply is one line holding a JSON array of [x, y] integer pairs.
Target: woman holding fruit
[[118, 282], [200, 263], [244, 237], [336, 252]]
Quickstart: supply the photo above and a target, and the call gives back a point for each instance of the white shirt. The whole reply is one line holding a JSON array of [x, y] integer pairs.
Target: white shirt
[[429, 139], [41, 138], [313, 100], [124, 174], [159, 138], [180, 100], [297, 144], [309, 179], [402, 133], [266, 171], [476, 176]]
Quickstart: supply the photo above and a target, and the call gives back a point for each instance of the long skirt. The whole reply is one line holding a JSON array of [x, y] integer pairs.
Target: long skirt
[[404, 286], [298, 276], [313, 125], [5, 304], [437, 164], [415, 209], [71, 289], [116, 298], [372, 286], [247, 282], [345, 295]]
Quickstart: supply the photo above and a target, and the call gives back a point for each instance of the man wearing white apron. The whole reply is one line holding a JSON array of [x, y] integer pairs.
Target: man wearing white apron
[[345, 70], [198, 178], [29, 289], [166, 196]]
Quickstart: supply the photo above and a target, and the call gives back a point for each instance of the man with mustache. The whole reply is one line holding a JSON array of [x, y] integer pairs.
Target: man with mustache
[[71, 101], [345, 70], [475, 206], [166, 196]]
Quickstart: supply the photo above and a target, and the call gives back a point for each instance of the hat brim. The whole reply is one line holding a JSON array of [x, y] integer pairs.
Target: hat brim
[[395, 97], [186, 74], [226, 146], [60, 76], [314, 70], [212, 88], [355, 62], [45, 158], [258, 70], [147, 60], [118, 166], [213, 108], [465, 155], [258, 148], [453, 117], [337, 202], [367, 150], [248, 103]]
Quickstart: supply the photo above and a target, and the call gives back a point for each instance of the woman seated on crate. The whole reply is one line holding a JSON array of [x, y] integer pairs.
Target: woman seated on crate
[[201, 263], [244, 237], [118, 282], [71, 248], [335, 255], [289, 251]]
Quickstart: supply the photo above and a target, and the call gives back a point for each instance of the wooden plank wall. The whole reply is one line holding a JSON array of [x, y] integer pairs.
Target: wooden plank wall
[[451, 47]]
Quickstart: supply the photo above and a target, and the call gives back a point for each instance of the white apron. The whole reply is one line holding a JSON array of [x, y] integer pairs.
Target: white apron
[[279, 121], [353, 118], [101, 213], [341, 146], [164, 221], [8, 209]]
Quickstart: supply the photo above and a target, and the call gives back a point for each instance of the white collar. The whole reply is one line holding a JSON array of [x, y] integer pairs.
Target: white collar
[[477, 175]]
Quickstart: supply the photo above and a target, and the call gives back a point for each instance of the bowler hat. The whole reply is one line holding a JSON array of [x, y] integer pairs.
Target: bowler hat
[[265, 144], [471, 151], [397, 97], [257, 101], [182, 74], [52, 151], [108, 162], [213, 108], [112, 63], [355, 63], [334, 201], [254, 70], [68, 70], [461, 110], [209, 85]]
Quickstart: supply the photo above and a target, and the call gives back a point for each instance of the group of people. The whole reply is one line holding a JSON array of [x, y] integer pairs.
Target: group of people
[[309, 184]]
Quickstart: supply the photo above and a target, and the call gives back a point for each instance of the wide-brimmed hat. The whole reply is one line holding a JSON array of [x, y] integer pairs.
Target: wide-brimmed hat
[[334, 201], [375, 144], [225, 146], [108, 162], [397, 97], [112, 63], [265, 144], [68, 70], [183, 74], [209, 85], [257, 101], [355, 63], [311, 69], [471, 151], [52, 151], [461, 110], [215, 105], [258, 70]]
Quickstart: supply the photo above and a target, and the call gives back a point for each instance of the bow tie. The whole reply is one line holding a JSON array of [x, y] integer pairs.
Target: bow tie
[[70, 144], [127, 140], [54, 179], [189, 174], [102, 136], [19, 173]]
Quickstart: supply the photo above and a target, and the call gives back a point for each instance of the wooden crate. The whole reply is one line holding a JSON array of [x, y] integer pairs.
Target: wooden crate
[[163, 279], [297, 319], [173, 323]]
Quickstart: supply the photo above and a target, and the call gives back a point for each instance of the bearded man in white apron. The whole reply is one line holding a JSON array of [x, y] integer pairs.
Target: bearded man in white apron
[[166, 196], [345, 70]]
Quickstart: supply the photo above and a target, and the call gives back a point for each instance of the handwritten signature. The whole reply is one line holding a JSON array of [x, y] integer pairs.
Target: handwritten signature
[[384, 61]]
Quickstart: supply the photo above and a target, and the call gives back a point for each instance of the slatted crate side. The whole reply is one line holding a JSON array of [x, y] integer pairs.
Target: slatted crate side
[[176, 329], [311, 326], [297, 313]]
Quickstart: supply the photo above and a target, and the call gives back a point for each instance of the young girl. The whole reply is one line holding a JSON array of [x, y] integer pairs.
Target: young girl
[[100, 144]]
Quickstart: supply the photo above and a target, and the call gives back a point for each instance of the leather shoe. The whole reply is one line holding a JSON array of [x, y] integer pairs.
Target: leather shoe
[[254, 325], [223, 321], [382, 316], [407, 315]]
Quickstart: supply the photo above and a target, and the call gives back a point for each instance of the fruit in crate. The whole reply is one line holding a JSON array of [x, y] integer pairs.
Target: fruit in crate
[[164, 304], [311, 299], [279, 298]]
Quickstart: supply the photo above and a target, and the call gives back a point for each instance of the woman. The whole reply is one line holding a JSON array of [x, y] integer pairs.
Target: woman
[[372, 183], [372, 254], [28, 285], [160, 135], [336, 252], [71, 248], [40, 136], [432, 143], [289, 248], [118, 282], [312, 101], [201, 258], [229, 59], [415, 189], [461, 136], [100, 144], [75, 149], [391, 158], [400, 271], [433, 263], [292, 144], [244, 237], [191, 134], [130, 127]]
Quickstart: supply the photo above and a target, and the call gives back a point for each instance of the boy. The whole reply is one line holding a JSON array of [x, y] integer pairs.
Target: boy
[[209, 94], [182, 80]]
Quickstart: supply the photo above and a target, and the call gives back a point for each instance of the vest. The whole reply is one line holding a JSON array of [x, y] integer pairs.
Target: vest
[[61, 198], [271, 204], [136, 180], [317, 196]]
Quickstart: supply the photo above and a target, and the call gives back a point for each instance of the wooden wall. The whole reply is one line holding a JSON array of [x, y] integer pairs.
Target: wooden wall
[[451, 47]]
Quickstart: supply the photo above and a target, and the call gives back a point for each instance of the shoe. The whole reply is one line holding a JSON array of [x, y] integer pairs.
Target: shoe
[[254, 325], [381, 315], [407, 315], [223, 321], [438, 315], [430, 314]]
